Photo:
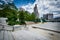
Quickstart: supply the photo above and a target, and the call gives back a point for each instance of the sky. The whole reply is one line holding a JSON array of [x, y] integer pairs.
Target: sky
[[44, 6], [20, 3]]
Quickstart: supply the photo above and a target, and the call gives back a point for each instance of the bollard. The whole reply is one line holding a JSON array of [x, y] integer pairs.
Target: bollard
[[13, 28]]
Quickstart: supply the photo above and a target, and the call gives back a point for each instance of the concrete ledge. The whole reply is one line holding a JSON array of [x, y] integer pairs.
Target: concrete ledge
[[47, 29]]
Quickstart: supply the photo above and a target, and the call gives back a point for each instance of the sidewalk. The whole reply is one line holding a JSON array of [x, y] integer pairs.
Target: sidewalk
[[55, 27], [6, 35], [35, 34]]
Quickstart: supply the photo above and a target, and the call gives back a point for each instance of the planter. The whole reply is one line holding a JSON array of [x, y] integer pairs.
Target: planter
[[3, 20]]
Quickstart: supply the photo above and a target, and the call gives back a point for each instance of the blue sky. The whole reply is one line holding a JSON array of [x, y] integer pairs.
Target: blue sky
[[19, 3], [44, 6]]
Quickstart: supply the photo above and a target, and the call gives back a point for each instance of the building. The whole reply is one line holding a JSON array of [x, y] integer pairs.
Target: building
[[48, 16], [36, 11], [57, 19], [45, 16]]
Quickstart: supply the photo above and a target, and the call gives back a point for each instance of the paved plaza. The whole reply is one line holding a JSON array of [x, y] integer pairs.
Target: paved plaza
[[29, 33]]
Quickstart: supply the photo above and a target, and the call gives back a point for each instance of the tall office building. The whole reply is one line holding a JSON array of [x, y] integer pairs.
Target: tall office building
[[36, 11]]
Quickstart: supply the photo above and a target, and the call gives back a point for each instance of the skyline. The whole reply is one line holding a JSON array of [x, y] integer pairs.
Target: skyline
[[44, 6]]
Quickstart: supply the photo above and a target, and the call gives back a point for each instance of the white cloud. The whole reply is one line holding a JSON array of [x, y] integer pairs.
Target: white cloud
[[57, 15], [1, 3], [44, 6], [6, 1], [29, 7]]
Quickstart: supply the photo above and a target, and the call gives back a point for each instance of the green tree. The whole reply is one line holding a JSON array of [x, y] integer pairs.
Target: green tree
[[27, 16], [10, 13], [33, 17], [12, 17], [4, 10], [21, 17], [2, 13]]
